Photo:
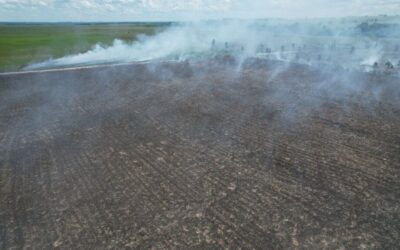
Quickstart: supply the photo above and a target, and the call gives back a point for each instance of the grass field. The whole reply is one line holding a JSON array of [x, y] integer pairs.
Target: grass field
[[21, 44]]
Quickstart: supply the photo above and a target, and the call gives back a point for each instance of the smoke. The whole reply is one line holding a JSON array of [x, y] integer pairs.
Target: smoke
[[348, 43], [178, 42], [334, 50], [283, 73]]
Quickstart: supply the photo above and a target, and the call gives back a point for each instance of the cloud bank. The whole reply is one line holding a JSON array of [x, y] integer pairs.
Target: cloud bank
[[152, 10]]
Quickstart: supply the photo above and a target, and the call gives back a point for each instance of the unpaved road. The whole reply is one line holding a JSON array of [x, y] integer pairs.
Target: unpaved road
[[179, 156]]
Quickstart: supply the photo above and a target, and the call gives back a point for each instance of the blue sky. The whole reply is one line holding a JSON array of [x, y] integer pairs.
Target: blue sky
[[152, 10]]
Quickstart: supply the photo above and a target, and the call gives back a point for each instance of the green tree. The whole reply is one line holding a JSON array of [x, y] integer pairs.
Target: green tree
[[389, 65]]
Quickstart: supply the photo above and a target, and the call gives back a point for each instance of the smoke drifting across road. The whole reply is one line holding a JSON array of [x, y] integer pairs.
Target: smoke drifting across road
[[349, 43]]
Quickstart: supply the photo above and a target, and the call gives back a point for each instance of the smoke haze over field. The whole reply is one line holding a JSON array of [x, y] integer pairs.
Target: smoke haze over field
[[313, 26], [350, 43], [227, 129]]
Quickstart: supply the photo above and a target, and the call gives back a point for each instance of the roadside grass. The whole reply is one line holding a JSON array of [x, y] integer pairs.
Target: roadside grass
[[22, 44]]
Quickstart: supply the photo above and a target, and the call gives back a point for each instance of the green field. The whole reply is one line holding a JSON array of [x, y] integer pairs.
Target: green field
[[22, 44]]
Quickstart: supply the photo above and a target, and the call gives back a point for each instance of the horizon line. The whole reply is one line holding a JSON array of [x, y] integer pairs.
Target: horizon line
[[194, 20]]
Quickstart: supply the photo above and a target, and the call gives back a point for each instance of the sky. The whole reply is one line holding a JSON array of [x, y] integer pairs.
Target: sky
[[175, 10]]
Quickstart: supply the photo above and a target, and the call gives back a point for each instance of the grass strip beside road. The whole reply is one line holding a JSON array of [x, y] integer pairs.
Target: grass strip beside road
[[22, 44]]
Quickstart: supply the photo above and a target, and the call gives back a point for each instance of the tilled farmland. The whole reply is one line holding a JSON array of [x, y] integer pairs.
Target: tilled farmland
[[208, 154]]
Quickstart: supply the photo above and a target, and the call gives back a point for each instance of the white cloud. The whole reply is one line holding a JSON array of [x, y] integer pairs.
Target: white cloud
[[107, 10]]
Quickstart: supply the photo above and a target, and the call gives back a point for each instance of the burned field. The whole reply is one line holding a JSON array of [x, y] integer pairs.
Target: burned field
[[203, 155]]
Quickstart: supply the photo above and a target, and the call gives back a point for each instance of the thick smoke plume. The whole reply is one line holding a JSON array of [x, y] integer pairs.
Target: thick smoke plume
[[348, 43]]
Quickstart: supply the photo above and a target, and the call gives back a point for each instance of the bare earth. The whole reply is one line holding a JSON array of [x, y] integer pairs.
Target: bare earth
[[194, 156]]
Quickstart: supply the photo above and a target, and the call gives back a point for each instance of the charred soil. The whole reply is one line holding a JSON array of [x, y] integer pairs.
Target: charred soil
[[202, 155]]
